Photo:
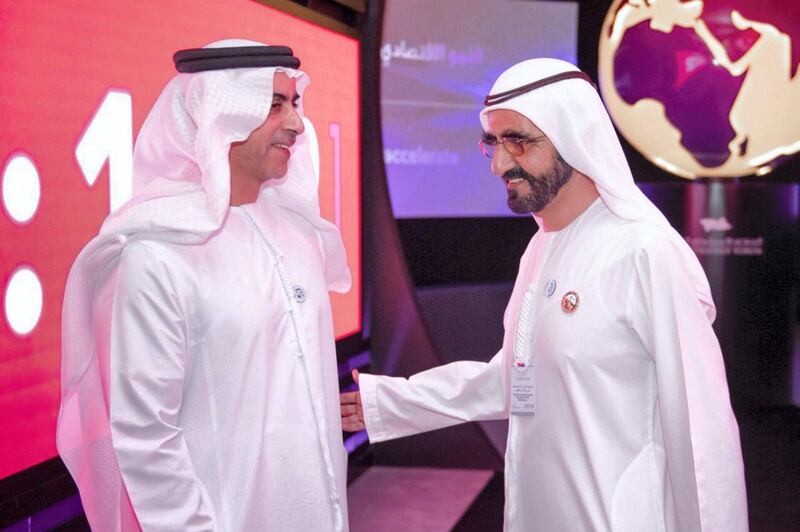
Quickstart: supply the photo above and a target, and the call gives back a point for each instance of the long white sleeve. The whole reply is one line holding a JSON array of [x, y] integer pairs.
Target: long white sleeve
[[148, 365], [436, 398], [703, 455]]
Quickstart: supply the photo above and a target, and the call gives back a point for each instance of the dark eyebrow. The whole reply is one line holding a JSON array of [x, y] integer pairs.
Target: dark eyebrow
[[514, 134], [278, 97], [488, 137]]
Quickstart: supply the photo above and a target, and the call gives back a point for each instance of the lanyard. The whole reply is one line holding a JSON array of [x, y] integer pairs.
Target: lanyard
[[529, 312]]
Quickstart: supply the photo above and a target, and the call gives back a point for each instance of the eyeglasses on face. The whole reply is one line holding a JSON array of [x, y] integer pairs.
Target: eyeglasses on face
[[514, 145]]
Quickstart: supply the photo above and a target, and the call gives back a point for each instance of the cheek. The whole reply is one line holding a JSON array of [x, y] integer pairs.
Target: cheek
[[535, 163], [252, 154], [267, 130], [532, 158]]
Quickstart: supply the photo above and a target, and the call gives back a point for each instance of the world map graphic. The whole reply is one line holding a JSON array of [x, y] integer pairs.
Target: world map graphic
[[704, 88]]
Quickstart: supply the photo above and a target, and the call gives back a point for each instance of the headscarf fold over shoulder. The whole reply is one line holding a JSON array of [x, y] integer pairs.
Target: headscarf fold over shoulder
[[572, 115], [181, 194]]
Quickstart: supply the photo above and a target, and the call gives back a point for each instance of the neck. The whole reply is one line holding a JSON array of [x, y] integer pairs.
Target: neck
[[243, 193], [570, 202]]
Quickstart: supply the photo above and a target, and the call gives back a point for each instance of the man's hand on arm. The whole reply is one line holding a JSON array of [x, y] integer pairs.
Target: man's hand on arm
[[352, 411]]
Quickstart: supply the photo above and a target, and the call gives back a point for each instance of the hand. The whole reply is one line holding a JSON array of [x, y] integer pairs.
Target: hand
[[352, 411]]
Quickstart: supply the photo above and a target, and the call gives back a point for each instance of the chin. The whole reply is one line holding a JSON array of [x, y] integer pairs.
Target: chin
[[525, 205], [518, 208], [276, 173]]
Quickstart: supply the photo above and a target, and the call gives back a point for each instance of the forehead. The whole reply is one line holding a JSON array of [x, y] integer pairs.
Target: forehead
[[283, 84], [502, 121]]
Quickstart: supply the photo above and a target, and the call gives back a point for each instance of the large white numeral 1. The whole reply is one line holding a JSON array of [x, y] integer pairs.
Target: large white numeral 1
[[335, 131], [109, 136], [310, 135]]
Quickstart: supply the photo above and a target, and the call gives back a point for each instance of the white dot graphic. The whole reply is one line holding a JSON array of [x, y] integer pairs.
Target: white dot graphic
[[23, 301], [21, 188]]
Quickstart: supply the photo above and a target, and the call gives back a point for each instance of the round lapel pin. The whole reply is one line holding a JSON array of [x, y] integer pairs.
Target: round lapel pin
[[299, 293], [570, 302], [550, 288]]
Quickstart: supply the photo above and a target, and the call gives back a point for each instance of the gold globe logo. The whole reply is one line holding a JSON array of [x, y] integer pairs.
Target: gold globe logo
[[703, 88]]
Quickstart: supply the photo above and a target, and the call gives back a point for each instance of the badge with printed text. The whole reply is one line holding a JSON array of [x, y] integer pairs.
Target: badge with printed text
[[523, 390], [550, 288], [570, 302]]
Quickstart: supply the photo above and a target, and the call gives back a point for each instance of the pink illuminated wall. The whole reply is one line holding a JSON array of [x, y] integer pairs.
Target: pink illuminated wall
[[76, 82]]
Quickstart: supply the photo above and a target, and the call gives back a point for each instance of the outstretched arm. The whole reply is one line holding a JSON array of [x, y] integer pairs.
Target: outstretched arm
[[392, 407]]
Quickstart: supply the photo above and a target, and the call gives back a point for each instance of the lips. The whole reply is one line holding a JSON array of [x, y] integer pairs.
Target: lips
[[515, 177], [284, 138], [511, 183], [285, 147]]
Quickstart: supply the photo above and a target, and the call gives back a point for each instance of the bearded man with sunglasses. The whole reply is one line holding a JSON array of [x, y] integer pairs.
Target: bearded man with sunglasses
[[610, 372]]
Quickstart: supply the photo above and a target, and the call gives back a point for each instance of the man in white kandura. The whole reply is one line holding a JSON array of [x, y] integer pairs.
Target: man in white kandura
[[199, 376], [610, 371]]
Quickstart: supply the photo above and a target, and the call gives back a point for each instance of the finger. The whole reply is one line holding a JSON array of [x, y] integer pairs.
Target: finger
[[355, 375], [352, 426], [350, 398], [350, 410], [353, 419]]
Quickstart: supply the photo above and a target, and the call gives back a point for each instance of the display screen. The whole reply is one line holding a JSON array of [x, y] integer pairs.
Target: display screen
[[77, 80], [438, 61]]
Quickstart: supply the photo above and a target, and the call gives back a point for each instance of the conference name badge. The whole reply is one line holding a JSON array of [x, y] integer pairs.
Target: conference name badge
[[523, 389]]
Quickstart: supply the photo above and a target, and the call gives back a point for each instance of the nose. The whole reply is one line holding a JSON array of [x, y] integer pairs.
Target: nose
[[294, 122], [502, 161]]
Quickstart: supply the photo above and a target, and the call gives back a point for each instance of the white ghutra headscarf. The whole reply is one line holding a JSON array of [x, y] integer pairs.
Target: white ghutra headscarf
[[568, 109]]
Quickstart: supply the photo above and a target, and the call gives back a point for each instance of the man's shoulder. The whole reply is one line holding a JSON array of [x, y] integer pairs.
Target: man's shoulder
[[635, 238], [653, 243], [149, 247], [643, 233], [149, 254]]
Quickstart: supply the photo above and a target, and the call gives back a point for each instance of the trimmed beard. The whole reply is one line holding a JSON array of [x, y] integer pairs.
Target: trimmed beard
[[543, 189]]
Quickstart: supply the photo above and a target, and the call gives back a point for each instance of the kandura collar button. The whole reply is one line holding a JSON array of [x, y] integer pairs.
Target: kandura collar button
[[550, 288], [299, 293]]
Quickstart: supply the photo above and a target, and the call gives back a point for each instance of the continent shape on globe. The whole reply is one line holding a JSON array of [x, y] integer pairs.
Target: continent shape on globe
[[704, 88]]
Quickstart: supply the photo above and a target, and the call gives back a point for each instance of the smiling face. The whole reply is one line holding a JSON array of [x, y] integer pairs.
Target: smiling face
[[265, 153], [534, 178]]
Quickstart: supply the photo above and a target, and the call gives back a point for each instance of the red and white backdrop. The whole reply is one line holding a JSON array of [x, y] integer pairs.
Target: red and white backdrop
[[77, 80]]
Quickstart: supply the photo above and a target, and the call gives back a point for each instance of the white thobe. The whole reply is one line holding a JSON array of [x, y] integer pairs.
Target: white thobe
[[224, 387], [633, 429]]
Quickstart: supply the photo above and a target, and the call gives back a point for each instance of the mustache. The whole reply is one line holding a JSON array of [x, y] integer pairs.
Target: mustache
[[516, 172]]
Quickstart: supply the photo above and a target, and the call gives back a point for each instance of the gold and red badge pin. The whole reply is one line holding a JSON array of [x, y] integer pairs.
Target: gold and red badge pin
[[570, 302]]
